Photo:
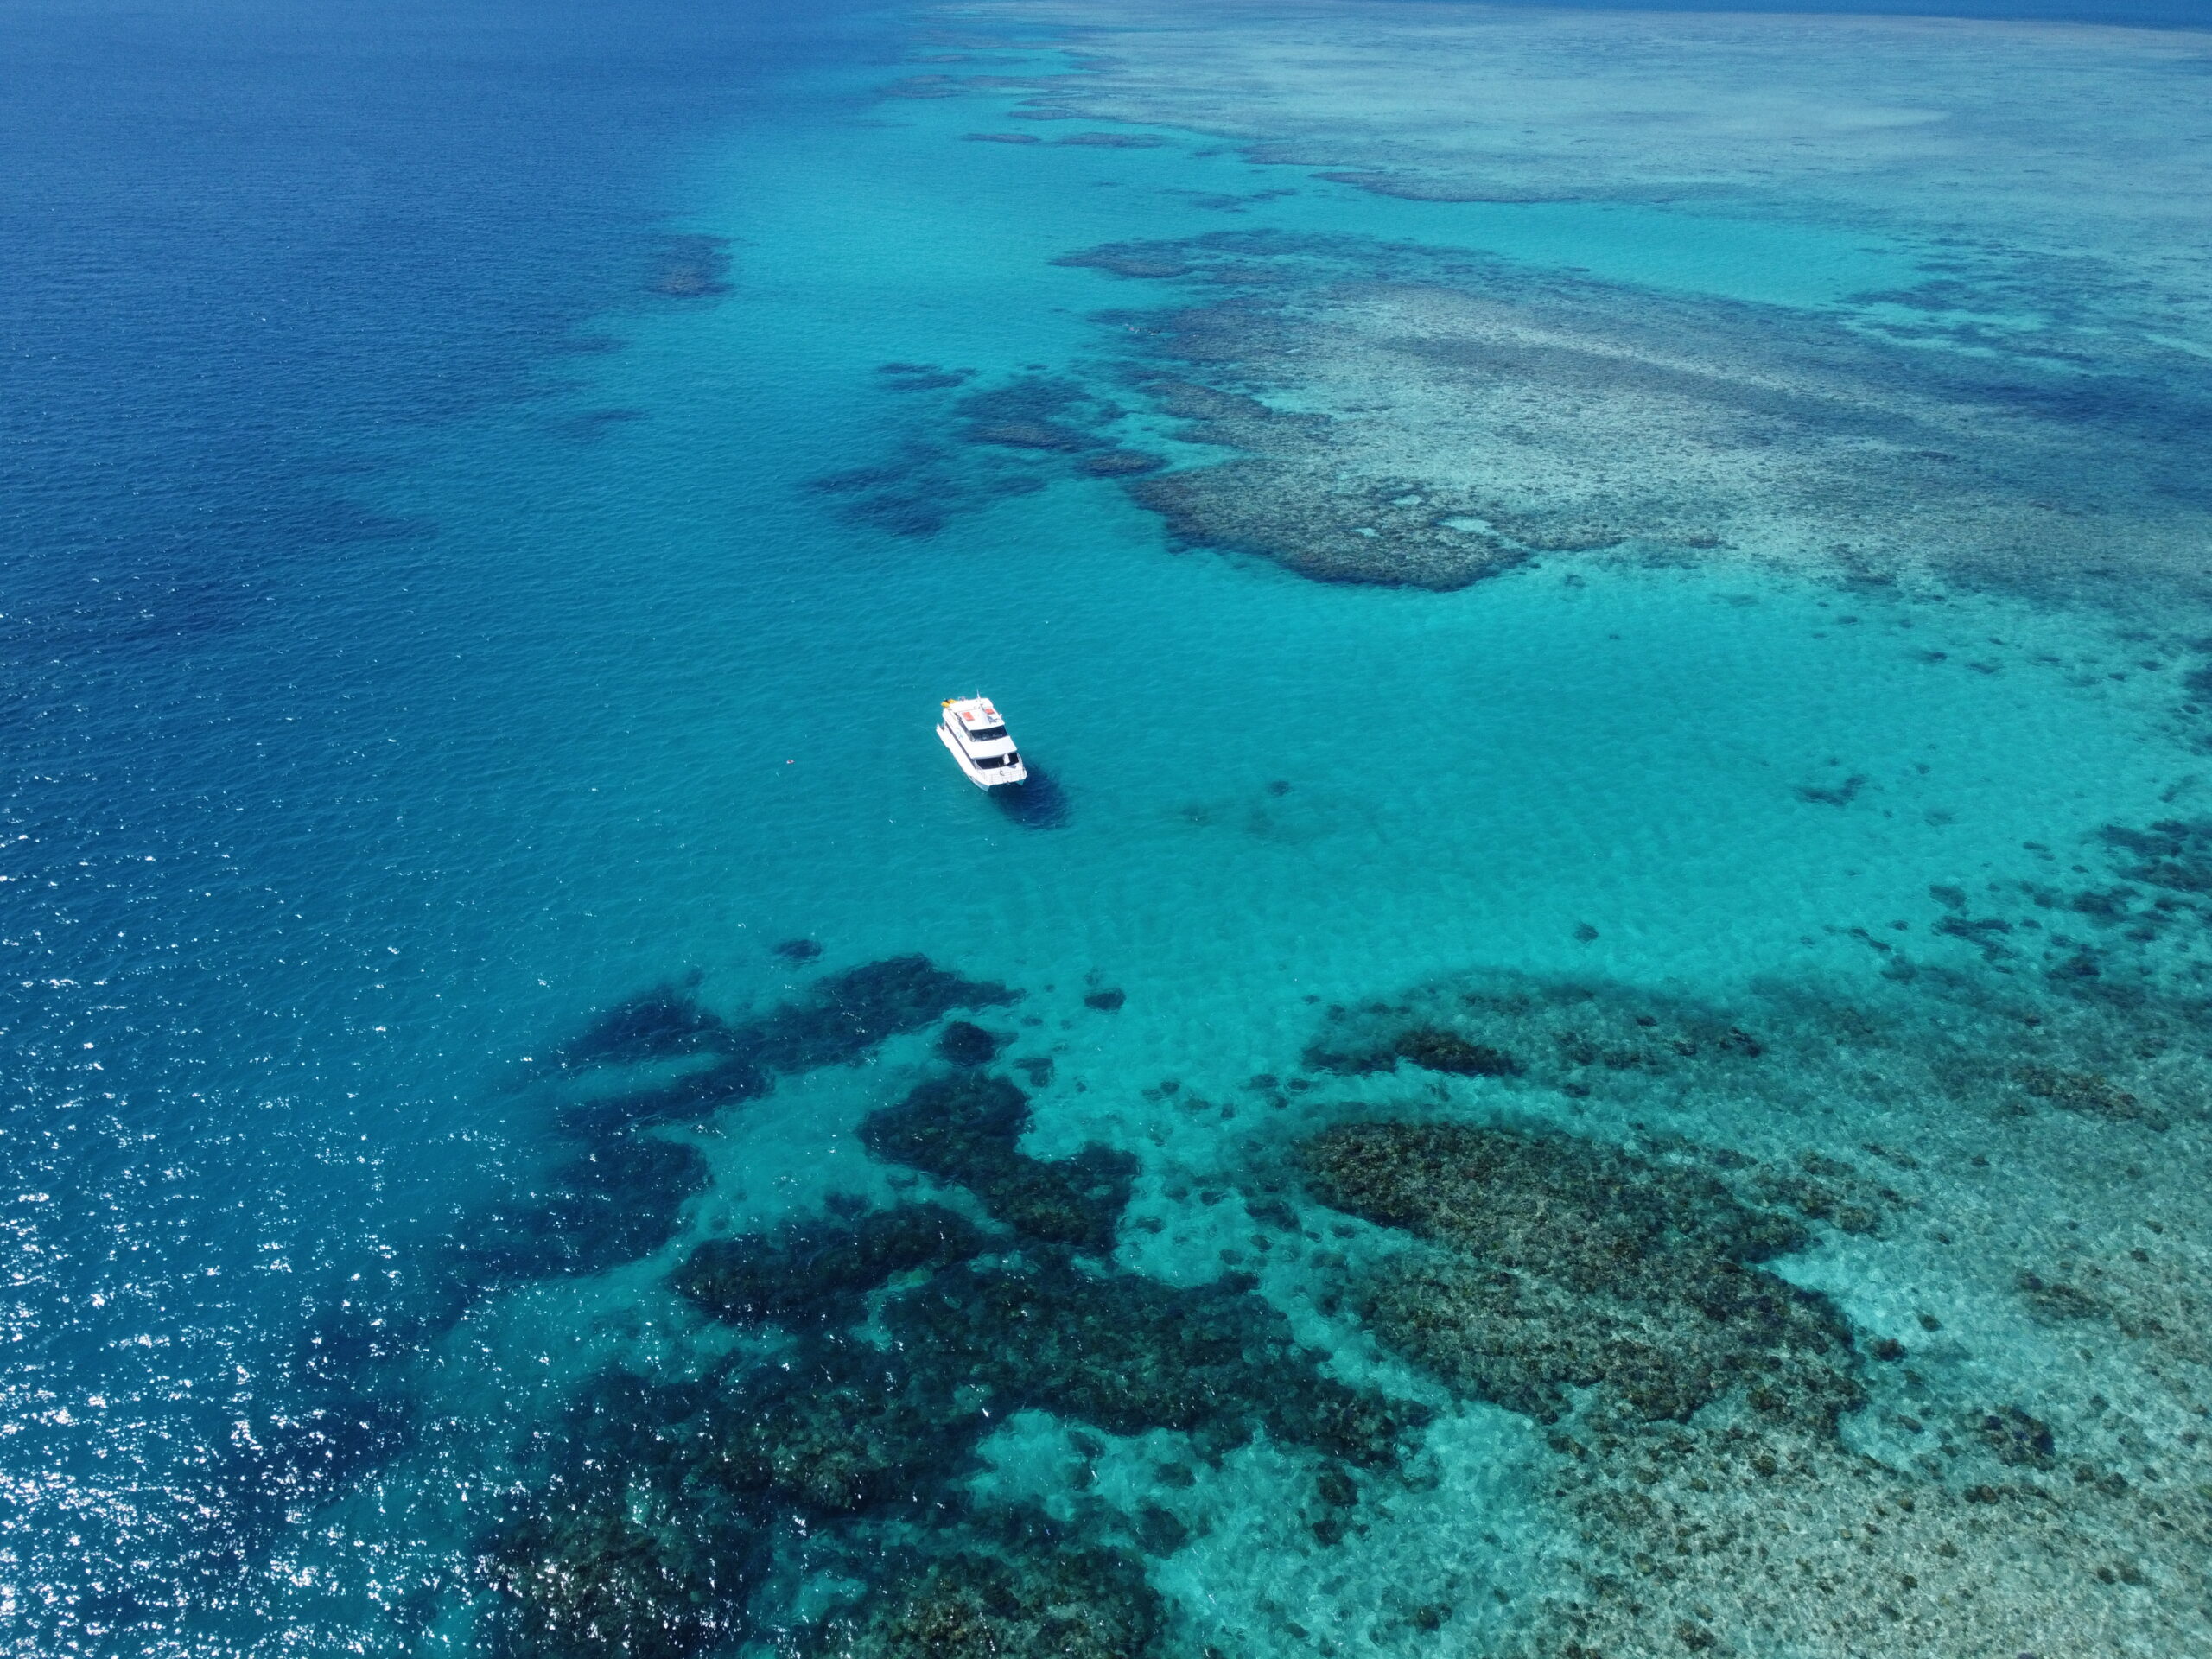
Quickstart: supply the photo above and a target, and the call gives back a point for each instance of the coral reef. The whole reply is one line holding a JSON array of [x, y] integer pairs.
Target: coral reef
[[840, 1019], [997, 441], [596, 1580], [964, 1043], [1033, 412], [672, 1514], [1457, 416], [1572, 1264], [1113, 140], [611, 1203], [1332, 526], [1120, 463], [1568, 1035], [1753, 1470], [1129, 1353], [815, 1274], [1060, 1604], [1446, 1050], [964, 1130], [692, 267]]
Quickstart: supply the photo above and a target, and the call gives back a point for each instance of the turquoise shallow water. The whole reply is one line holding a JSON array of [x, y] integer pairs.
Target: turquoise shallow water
[[633, 702]]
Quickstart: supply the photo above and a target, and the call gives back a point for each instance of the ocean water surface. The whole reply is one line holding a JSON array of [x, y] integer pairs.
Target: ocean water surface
[[1590, 1037]]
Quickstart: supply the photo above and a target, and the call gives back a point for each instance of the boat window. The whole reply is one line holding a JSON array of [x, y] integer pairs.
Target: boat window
[[982, 732], [985, 762]]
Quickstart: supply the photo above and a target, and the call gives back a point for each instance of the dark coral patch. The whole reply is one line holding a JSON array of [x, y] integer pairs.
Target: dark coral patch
[[918, 489], [1326, 525], [597, 1579], [1128, 1353], [815, 1274], [691, 1092], [612, 1203], [2175, 854], [1566, 1034], [839, 1020], [965, 1042], [1039, 1604], [1033, 412], [660, 1024], [692, 267], [1007, 439], [1435, 1049], [1113, 140], [1561, 1263], [1121, 463], [2090, 1094], [2017, 1439], [669, 1510], [1028, 434], [847, 1015], [1129, 259], [1411, 188], [667, 1056], [964, 1129]]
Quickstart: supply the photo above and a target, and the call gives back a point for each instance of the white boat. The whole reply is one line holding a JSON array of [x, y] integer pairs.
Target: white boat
[[972, 729]]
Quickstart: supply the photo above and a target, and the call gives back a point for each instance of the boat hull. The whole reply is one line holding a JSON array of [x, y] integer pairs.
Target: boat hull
[[975, 774]]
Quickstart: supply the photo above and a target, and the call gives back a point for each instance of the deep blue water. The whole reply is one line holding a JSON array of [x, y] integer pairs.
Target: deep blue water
[[252, 252], [473, 595]]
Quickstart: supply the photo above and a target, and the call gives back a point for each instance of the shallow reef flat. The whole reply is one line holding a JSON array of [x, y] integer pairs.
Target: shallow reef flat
[[1409, 417], [1857, 1325], [2017, 395], [1566, 1317], [2080, 144]]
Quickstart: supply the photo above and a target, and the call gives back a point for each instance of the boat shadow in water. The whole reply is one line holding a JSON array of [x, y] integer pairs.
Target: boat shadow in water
[[1036, 802]]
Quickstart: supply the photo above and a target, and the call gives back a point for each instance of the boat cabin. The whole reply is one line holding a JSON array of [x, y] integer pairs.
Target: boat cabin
[[974, 733]]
